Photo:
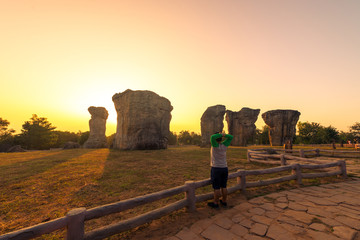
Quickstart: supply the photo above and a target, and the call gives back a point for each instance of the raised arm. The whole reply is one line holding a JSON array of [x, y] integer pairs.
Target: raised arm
[[228, 139], [213, 138]]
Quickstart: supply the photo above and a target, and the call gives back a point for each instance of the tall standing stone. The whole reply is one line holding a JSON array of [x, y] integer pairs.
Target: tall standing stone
[[143, 120], [97, 124], [282, 124], [212, 121], [242, 125]]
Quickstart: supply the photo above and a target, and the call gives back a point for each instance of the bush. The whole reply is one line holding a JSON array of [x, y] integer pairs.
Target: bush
[[83, 137], [172, 138], [186, 138]]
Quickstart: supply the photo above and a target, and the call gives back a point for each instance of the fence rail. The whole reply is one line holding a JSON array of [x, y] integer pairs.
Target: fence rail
[[271, 156], [74, 221]]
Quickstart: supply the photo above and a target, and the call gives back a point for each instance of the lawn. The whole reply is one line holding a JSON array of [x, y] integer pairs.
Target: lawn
[[39, 186]]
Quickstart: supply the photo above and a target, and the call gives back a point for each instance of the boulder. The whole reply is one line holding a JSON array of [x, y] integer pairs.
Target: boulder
[[143, 120], [212, 121], [16, 148], [242, 125], [97, 124], [71, 145], [282, 124]]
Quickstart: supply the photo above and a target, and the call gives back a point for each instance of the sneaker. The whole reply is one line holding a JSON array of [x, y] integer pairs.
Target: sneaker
[[213, 205], [223, 203]]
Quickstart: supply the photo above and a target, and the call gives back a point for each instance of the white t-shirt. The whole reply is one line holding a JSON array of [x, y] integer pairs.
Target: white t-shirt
[[218, 156]]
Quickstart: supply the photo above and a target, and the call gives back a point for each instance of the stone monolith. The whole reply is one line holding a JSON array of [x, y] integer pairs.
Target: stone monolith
[[282, 124], [143, 120], [97, 123], [212, 121], [242, 125]]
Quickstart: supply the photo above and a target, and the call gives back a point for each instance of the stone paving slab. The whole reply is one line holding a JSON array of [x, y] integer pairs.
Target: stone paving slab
[[330, 211]]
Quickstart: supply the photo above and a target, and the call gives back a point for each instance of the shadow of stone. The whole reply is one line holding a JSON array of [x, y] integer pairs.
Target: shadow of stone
[[20, 171]]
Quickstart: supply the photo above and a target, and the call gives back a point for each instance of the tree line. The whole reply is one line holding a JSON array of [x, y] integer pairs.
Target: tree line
[[39, 134], [315, 133], [307, 133]]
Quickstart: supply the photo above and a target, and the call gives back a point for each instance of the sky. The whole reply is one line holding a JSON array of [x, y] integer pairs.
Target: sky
[[58, 58]]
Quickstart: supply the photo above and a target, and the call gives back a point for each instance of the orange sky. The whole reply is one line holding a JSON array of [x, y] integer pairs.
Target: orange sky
[[60, 57]]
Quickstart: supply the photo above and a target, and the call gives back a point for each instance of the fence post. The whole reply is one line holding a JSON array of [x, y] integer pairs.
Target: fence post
[[242, 181], [342, 167], [317, 151], [297, 172], [282, 160], [302, 153], [238, 178], [75, 225], [190, 196], [248, 155]]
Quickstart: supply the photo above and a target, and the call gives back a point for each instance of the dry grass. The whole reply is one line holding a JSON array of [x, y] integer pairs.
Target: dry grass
[[39, 186]]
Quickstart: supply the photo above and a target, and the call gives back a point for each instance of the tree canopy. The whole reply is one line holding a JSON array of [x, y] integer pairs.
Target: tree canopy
[[187, 138], [38, 133], [4, 131], [355, 130], [315, 133]]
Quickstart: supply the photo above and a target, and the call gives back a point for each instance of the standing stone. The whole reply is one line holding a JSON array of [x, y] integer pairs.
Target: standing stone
[[242, 125], [143, 120], [282, 124], [97, 123], [212, 121]]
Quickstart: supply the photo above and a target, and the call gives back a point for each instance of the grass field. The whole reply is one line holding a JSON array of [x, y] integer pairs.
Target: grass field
[[39, 186]]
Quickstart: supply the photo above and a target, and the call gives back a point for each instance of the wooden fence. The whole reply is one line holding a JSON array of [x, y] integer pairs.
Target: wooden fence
[[335, 153], [74, 220], [271, 156]]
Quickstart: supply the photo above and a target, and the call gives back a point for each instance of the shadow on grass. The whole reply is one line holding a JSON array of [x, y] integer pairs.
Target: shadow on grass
[[20, 171], [129, 174]]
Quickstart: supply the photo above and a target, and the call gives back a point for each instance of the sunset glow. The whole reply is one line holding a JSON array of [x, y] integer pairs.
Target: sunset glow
[[60, 57]]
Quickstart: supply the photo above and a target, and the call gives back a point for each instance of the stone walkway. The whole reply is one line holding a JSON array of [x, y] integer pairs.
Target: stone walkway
[[330, 211]]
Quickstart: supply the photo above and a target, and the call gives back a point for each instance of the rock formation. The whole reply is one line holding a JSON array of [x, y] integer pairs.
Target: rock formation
[[97, 123], [211, 122], [282, 124], [242, 125], [143, 119], [16, 148]]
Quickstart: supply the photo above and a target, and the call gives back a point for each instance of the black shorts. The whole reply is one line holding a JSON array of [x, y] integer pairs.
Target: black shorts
[[219, 177]]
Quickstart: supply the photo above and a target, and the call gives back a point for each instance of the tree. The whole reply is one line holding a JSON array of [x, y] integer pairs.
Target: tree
[[344, 137], [64, 137], [315, 133], [5, 133], [262, 136], [355, 131], [329, 134], [186, 138], [172, 138], [309, 133], [195, 139], [6, 137], [38, 133], [83, 137], [110, 140]]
